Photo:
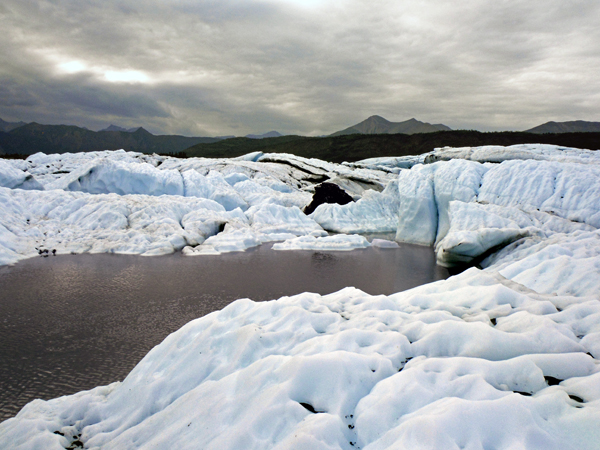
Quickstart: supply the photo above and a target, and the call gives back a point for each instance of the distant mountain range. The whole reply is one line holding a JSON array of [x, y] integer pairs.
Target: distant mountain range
[[27, 138], [576, 126], [33, 137], [354, 147], [20, 138], [379, 125]]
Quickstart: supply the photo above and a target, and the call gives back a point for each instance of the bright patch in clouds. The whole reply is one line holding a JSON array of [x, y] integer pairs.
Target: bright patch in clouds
[[107, 74], [72, 67], [126, 76], [306, 3]]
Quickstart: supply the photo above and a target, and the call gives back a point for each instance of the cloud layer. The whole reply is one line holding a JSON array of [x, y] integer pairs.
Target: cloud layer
[[200, 67]]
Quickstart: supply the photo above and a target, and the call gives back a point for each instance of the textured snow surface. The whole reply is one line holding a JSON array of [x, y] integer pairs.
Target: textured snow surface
[[74, 222], [467, 362], [125, 202], [11, 177], [504, 356]]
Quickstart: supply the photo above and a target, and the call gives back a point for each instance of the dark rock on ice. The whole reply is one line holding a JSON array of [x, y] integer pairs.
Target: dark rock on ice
[[310, 408], [552, 381], [526, 394], [327, 193]]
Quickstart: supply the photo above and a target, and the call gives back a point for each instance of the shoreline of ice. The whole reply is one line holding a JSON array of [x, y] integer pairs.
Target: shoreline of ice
[[502, 356]]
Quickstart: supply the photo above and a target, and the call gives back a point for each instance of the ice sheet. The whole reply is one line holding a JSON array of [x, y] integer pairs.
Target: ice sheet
[[506, 356]]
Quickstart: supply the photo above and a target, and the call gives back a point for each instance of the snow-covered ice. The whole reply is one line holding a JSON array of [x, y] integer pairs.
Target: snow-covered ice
[[498, 154], [505, 355], [375, 212], [464, 362]]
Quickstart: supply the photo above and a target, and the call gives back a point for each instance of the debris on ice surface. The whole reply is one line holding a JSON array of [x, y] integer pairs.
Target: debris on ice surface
[[502, 356]]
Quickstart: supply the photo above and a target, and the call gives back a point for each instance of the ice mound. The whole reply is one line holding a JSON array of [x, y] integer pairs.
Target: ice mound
[[467, 362], [384, 243], [270, 219], [482, 154], [391, 163], [258, 193], [76, 222], [375, 212], [212, 186], [268, 222], [232, 239], [338, 242], [13, 178], [560, 264], [478, 228], [106, 176], [570, 191]]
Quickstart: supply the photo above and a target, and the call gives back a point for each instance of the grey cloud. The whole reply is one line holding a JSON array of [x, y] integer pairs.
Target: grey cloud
[[75, 97], [253, 66]]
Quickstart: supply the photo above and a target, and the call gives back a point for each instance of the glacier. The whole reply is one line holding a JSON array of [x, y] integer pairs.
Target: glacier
[[504, 355]]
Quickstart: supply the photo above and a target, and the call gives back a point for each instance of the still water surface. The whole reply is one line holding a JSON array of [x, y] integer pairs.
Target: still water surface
[[70, 323]]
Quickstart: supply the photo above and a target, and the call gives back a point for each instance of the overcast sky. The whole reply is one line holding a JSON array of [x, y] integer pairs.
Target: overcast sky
[[312, 67]]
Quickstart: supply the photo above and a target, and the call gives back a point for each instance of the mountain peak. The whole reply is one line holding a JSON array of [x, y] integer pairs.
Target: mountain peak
[[8, 126], [379, 125], [378, 118], [112, 127], [265, 135], [139, 130]]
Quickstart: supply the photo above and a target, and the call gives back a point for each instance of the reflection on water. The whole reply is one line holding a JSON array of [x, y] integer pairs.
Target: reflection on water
[[69, 323]]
